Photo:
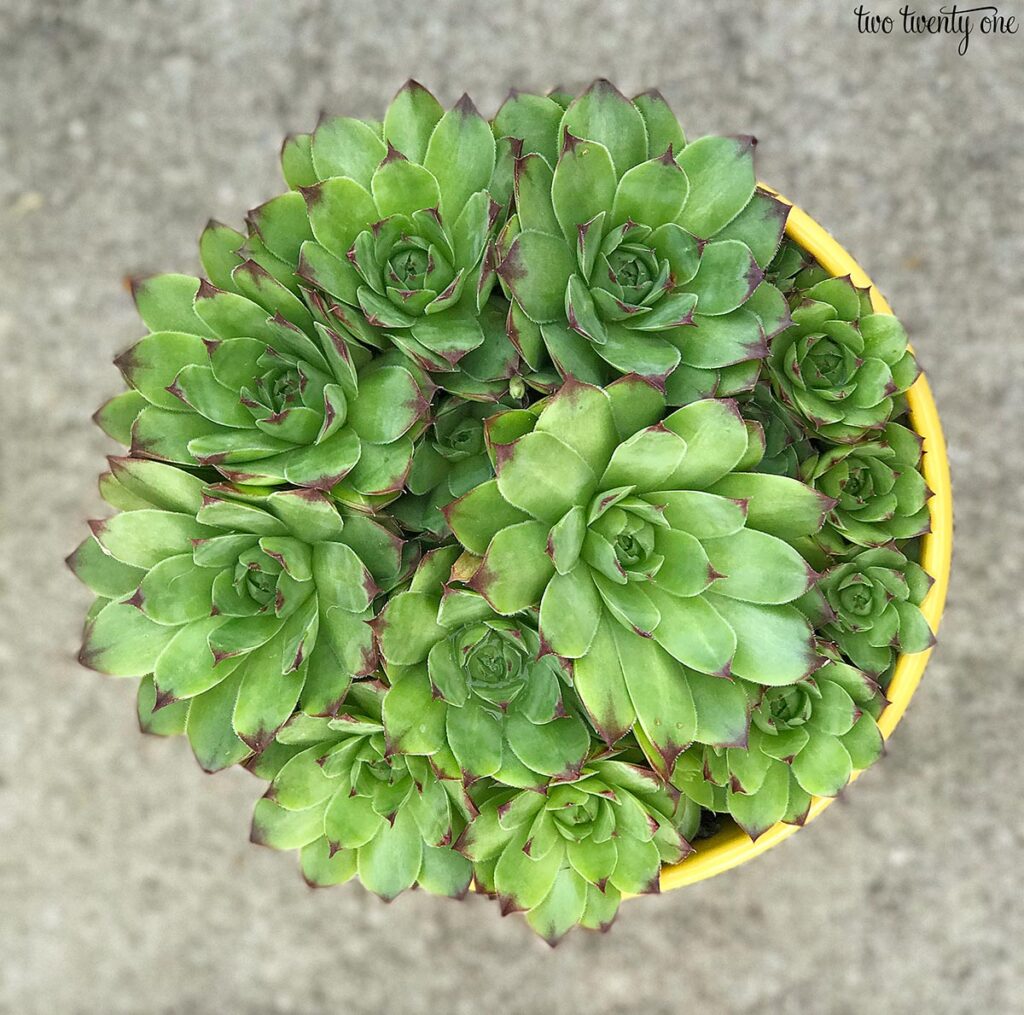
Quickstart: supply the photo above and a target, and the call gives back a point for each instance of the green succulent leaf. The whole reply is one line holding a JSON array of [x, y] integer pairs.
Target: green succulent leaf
[[543, 476], [163, 722], [777, 505], [278, 828], [561, 909], [165, 303], [756, 812], [345, 147], [570, 612], [460, 155], [600, 681], [823, 767], [583, 185], [516, 568], [534, 120], [122, 641], [773, 643], [208, 727], [536, 270], [410, 120], [721, 175], [663, 129], [692, 631], [604, 115], [760, 225], [391, 862], [758, 568], [297, 161], [339, 209]]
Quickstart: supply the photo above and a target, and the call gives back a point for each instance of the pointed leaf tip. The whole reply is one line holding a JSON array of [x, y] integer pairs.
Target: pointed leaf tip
[[569, 142], [124, 361], [311, 195], [412, 85], [507, 905], [135, 283], [207, 290], [604, 85], [137, 599], [163, 699], [466, 106]]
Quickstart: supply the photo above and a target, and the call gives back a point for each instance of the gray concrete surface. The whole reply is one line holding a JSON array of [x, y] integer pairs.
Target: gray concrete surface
[[126, 880]]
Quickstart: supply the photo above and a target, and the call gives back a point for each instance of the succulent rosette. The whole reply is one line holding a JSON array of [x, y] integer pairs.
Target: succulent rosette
[[786, 443], [806, 739], [880, 495], [353, 808], [840, 365], [566, 856], [240, 607], [874, 599], [655, 565], [394, 221], [449, 461], [793, 269], [470, 682], [264, 399], [632, 251], [512, 498]]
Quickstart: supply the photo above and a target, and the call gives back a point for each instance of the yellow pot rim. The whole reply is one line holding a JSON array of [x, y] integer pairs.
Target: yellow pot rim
[[731, 847]]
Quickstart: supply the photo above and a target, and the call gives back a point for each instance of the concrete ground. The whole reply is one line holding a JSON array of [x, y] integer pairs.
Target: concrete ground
[[127, 883]]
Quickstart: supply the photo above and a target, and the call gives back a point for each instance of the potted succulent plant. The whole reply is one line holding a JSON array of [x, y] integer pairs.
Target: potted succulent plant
[[522, 505]]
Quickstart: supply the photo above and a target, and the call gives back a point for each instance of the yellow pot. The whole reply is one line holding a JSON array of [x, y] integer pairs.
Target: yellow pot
[[731, 846]]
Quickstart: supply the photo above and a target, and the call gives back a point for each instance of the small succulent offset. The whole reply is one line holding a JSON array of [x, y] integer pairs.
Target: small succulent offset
[[805, 739], [880, 496], [351, 806], [511, 497], [566, 857], [840, 365], [394, 220], [874, 599], [786, 444], [451, 460], [468, 681]]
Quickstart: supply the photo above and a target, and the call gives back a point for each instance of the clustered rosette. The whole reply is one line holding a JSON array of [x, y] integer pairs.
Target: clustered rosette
[[512, 498], [351, 805], [840, 365], [633, 252], [804, 738], [566, 856]]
